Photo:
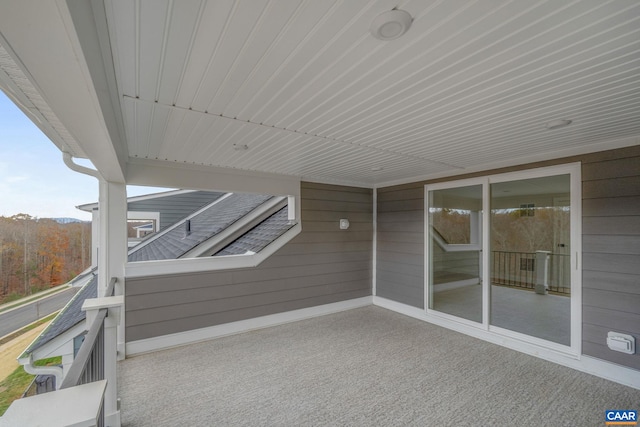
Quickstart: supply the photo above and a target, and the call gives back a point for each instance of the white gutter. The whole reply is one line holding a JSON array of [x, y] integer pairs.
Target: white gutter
[[27, 364], [68, 160]]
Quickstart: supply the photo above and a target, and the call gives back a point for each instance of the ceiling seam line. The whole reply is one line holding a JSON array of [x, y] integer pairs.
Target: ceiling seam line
[[380, 150]]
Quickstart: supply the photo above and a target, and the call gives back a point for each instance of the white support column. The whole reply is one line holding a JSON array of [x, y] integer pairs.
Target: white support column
[[112, 253], [113, 234], [95, 237]]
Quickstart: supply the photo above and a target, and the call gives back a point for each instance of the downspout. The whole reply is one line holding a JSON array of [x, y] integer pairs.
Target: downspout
[[68, 160], [56, 371]]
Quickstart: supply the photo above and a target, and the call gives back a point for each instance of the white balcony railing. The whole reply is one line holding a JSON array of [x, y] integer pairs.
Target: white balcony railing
[[88, 394]]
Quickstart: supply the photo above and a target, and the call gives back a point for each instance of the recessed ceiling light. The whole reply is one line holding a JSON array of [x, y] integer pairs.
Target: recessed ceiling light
[[555, 124], [391, 24]]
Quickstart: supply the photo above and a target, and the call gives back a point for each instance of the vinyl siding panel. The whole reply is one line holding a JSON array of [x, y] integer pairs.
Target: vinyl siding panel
[[176, 207], [611, 207], [610, 245], [323, 264], [400, 244]]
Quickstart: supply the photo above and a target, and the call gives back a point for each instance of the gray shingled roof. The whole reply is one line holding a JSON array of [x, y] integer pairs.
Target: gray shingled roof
[[175, 242], [70, 316], [260, 236]]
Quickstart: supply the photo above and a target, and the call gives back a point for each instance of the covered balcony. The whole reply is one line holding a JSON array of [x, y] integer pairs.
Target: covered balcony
[[368, 118]]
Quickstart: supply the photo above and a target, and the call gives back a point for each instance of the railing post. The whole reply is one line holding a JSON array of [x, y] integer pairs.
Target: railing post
[[114, 306], [542, 272]]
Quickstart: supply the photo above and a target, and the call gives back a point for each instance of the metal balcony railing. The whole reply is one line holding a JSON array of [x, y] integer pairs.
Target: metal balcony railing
[[519, 269]]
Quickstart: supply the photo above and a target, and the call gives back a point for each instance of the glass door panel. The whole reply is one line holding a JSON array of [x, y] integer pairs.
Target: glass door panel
[[454, 248], [530, 247]]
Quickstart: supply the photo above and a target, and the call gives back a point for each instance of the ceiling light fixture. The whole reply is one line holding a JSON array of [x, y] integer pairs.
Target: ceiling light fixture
[[555, 124], [390, 25]]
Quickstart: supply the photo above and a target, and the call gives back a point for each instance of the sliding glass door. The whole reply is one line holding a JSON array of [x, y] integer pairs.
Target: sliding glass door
[[510, 270], [455, 243], [530, 243]]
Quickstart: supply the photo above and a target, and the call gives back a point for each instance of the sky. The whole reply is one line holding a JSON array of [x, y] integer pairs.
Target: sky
[[33, 177]]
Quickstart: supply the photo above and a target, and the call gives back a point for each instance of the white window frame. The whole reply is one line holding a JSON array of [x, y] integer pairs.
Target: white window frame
[[147, 173]]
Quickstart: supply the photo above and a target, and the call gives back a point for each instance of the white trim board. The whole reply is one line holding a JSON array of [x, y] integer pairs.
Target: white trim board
[[590, 365], [189, 337]]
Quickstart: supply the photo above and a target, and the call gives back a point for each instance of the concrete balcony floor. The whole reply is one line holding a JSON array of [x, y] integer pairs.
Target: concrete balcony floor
[[520, 310], [368, 366]]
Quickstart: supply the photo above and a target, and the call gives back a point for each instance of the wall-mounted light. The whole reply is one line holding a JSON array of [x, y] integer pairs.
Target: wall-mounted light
[[344, 224]]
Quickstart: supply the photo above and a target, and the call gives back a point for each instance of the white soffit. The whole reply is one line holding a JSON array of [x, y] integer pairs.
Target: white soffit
[[311, 93], [23, 93]]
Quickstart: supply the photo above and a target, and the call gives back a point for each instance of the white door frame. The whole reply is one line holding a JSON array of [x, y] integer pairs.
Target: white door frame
[[574, 172]]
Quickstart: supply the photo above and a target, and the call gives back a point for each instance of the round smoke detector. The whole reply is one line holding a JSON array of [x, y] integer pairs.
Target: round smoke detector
[[391, 24]]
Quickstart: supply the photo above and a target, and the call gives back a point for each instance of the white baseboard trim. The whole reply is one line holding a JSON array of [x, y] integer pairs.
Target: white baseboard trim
[[590, 365], [218, 331]]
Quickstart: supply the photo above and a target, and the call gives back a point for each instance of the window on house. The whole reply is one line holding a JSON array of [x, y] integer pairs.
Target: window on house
[[77, 343]]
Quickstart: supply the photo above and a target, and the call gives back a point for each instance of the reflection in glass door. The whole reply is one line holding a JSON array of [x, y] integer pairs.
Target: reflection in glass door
[[454, 248], [530, 247]]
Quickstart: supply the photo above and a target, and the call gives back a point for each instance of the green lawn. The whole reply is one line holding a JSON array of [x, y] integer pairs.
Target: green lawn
[[12, 387]]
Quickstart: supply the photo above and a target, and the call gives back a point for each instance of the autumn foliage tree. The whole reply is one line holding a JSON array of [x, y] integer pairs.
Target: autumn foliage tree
[[36, 254]]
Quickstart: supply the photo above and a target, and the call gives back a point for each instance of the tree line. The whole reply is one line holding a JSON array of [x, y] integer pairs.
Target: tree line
[[36, 253], [512, 230]]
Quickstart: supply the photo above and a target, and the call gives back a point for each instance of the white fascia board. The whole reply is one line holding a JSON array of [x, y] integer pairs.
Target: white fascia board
[[156, 173], [196, 265], [59, 346], [143, 216], [58, 71], [600, 368]]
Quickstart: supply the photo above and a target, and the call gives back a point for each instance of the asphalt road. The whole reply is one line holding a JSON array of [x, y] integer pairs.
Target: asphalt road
[[21, 316]]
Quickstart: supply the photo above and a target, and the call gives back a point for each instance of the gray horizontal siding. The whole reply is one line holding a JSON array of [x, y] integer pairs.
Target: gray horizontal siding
[[610, 249], [176, 207], [400, 244], [321, 265], [611, 245]]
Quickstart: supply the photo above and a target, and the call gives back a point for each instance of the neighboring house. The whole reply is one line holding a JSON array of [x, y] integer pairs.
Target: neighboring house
[[162, 209], [368, 132], [227, 224], [65, 333]]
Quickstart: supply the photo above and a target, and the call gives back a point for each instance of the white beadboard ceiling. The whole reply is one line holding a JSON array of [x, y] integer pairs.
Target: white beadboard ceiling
[[301, 88]]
